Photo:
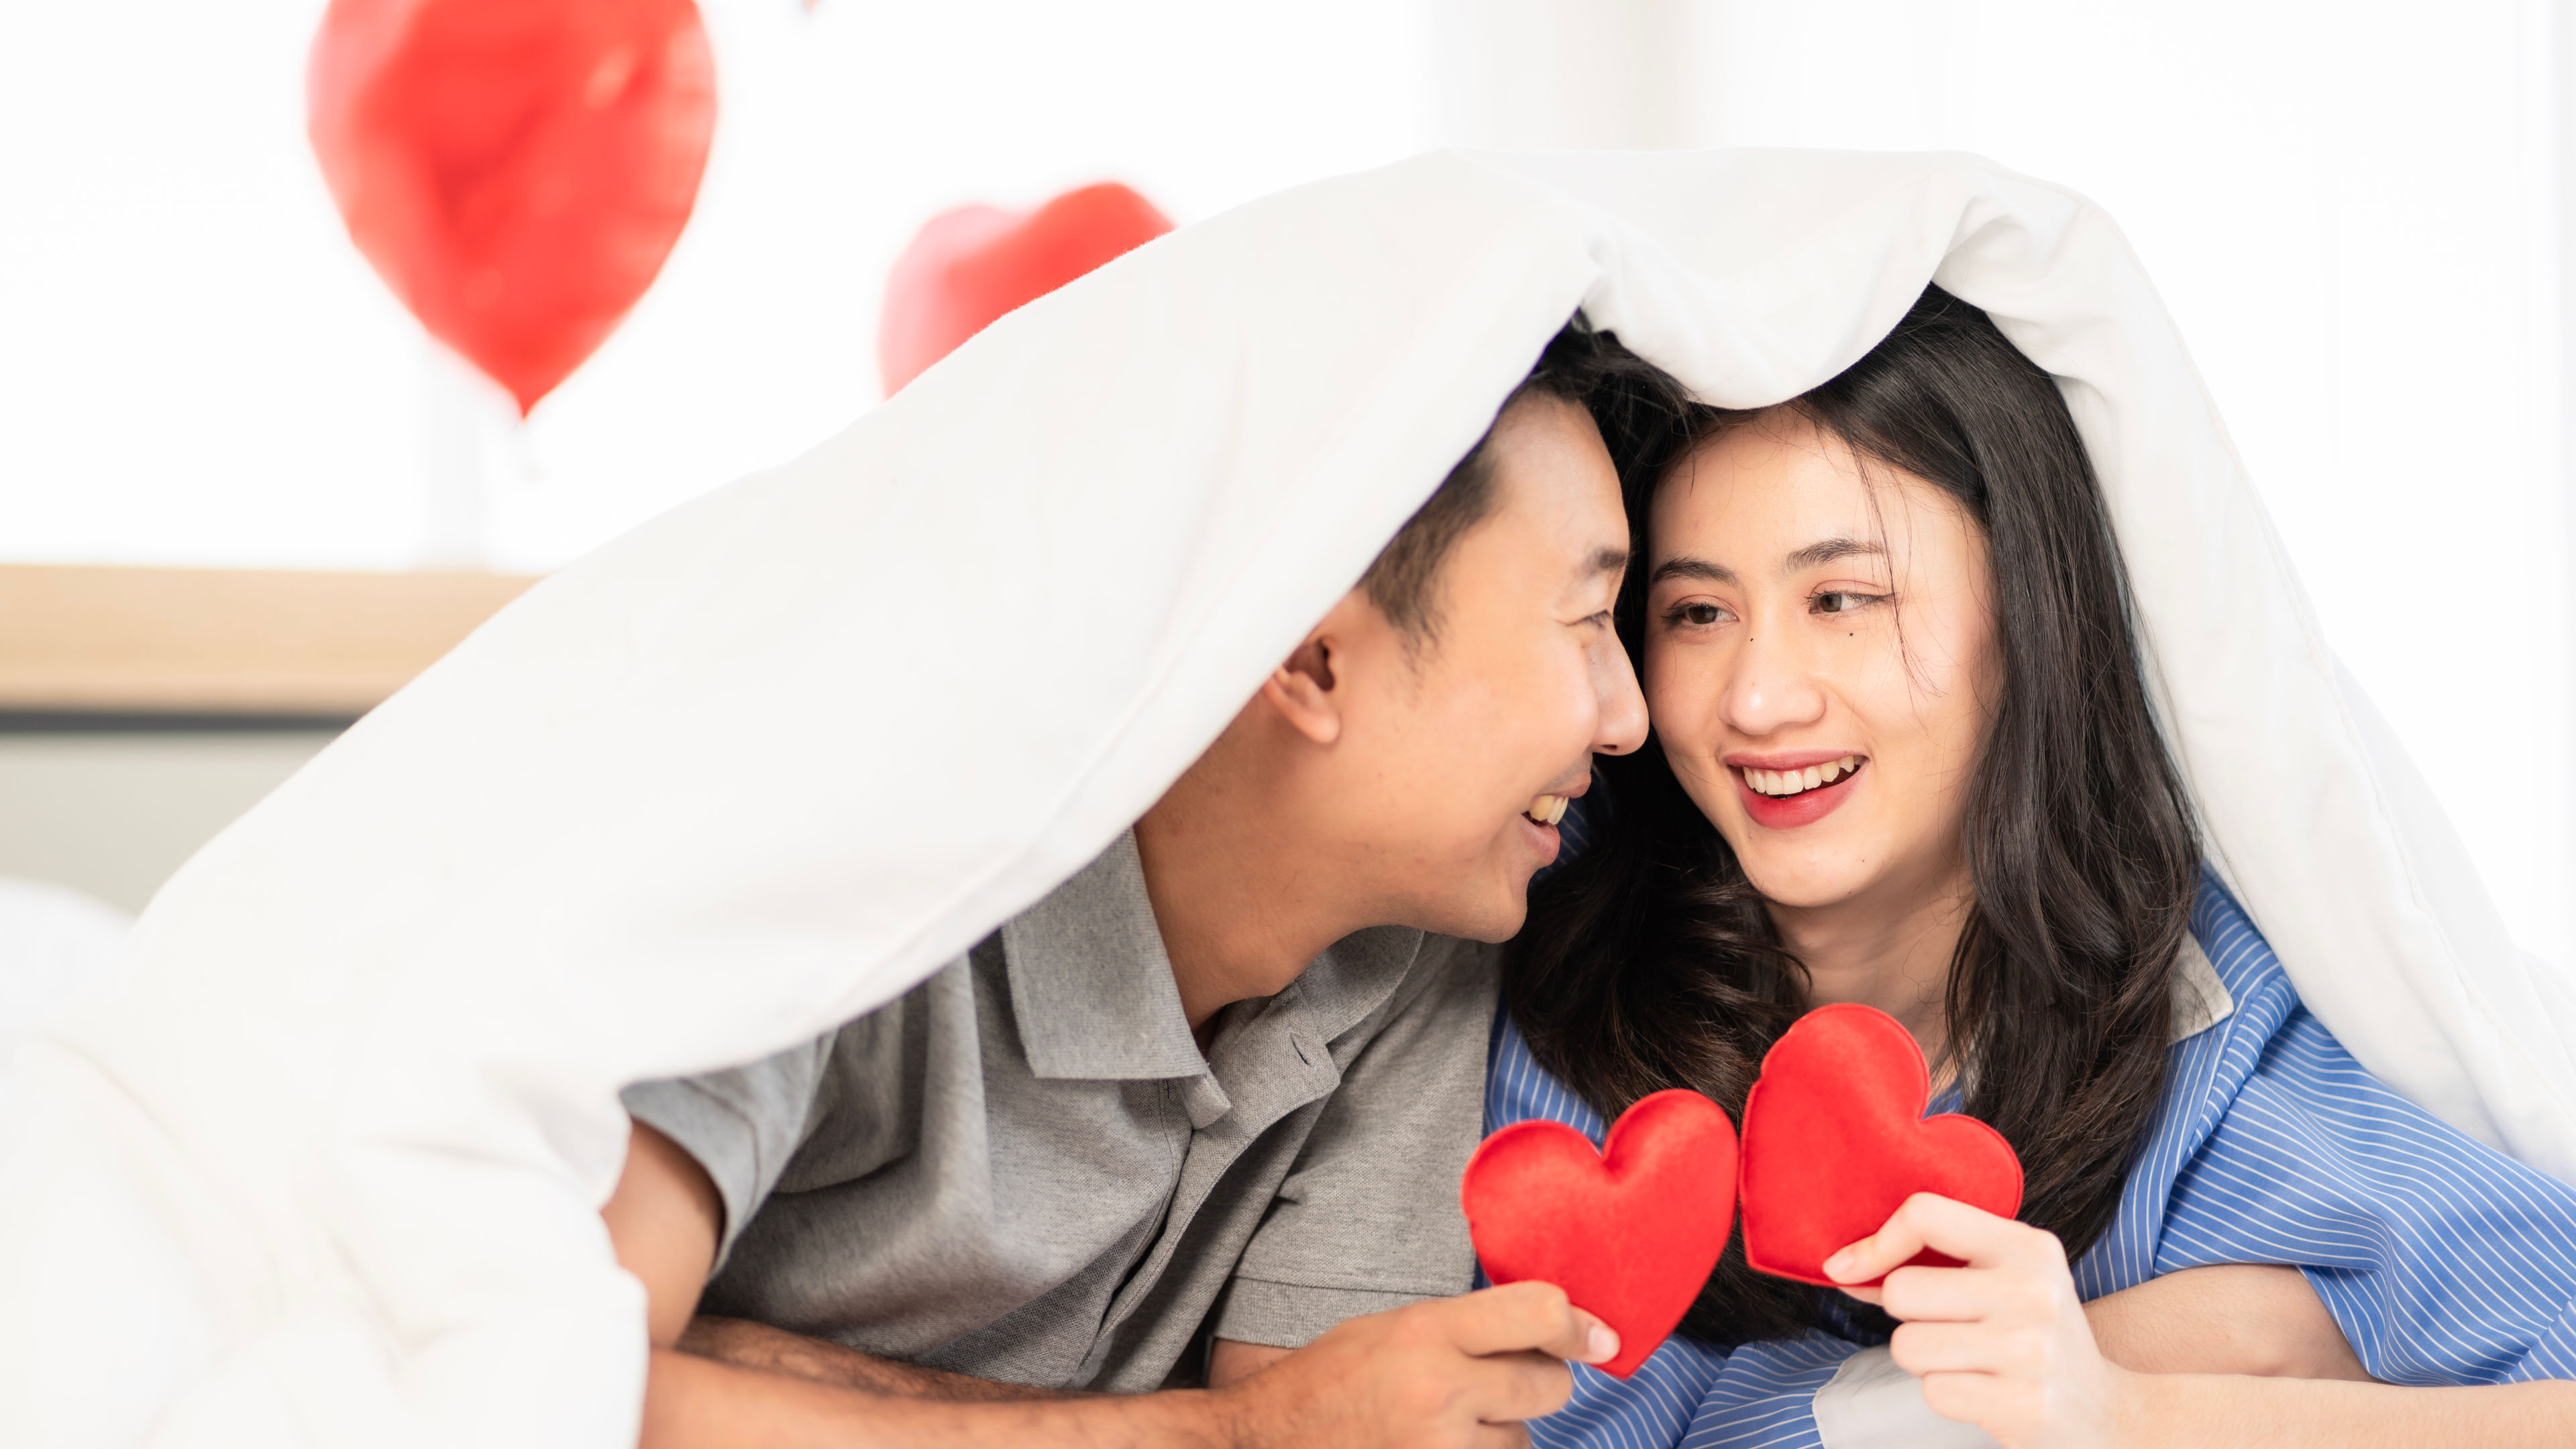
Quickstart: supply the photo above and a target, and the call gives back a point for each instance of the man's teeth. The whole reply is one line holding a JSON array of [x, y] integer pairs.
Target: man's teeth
[[1791, 782], [1548, 809]]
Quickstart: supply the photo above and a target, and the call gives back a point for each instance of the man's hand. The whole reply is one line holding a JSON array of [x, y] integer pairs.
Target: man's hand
[[1446, 1372]]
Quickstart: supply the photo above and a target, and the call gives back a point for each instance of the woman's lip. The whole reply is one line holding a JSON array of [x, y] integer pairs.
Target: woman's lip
[[1788, 759], [1788, 812]]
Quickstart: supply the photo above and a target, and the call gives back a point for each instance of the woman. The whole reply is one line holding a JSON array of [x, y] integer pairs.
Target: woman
[[1904, 756]]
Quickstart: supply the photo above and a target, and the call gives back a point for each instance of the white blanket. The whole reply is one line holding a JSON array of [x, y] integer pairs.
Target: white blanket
[[53, 941], [326, 1169]]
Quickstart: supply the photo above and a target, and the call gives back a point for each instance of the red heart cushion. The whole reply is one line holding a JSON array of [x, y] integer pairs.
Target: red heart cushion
[[1629, 1232], [1835, 1140], [516, 170], [968, 267]]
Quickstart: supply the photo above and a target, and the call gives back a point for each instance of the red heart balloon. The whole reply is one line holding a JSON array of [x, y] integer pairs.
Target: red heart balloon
[[968, 267], [1835, 1140], [516, 170], [1629, 1232]]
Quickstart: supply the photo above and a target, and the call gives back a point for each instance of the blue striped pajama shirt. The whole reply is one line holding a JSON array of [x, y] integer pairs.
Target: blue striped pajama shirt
[[2445, 1261]]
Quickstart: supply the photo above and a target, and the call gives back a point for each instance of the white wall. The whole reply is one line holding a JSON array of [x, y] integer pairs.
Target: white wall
[[196, 366], [112, 814]]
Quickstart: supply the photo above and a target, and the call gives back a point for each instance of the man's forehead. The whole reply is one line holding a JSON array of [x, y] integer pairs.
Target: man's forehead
[[1554, 460], [1602, 560]]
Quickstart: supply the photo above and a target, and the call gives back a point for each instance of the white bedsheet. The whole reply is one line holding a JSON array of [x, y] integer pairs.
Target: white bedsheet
[[53, 941]]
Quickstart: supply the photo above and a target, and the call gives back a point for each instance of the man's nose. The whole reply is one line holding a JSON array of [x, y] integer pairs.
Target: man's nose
[[1623, 704]]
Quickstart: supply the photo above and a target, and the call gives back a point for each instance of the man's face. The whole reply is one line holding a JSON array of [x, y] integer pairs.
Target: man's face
[[1450, 750]]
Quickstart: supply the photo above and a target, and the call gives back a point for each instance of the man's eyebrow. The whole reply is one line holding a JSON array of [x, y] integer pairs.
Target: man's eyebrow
[[1686, 567], [1830, 550], [1605, 561]]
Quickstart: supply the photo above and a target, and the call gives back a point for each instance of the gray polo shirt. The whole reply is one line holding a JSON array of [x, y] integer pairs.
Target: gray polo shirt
[[1024, 1170]]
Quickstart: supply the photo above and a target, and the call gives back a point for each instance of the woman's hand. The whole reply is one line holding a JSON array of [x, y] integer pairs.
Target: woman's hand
[[2001, 1343]]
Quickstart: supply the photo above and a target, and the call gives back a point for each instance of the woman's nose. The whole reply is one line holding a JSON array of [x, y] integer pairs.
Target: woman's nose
[[1770, 689]]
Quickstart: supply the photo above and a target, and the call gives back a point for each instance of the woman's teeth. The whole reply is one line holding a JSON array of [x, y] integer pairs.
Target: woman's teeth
[[1548, 809], [1792, 782]]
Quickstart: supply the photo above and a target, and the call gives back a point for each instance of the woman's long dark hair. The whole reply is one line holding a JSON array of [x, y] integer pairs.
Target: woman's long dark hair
[[1650, 962]]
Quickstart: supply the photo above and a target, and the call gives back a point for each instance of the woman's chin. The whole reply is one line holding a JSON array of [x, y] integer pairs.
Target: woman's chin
[[1807, 878], [1872, 874], [1807, 896]]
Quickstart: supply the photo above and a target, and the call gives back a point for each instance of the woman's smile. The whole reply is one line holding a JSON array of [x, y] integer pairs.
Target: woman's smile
[[1785, 791]]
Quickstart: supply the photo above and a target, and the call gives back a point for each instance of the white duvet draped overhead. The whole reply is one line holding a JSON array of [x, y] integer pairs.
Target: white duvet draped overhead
[[326, 1168]]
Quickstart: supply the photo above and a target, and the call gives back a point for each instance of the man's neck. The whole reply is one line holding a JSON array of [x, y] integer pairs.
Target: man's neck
[[1243, 906], [1893, 956]]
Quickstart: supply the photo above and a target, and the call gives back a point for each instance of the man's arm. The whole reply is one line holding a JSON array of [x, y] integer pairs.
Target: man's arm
[[2213, 1411], [1448, 1371], [2002, 1343], [2199, 1332], [1233, 1362], [745, 1344], [666, 1219], [2230, 1318]]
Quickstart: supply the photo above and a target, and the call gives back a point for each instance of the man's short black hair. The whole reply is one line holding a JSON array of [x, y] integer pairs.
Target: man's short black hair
[[1632, 401]]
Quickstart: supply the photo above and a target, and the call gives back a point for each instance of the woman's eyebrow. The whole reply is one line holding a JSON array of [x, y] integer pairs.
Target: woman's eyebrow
[[1830, 550], [1683, 566]]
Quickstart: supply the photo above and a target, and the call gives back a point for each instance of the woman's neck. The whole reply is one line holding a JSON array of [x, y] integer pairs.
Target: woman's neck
[[1890, 949]]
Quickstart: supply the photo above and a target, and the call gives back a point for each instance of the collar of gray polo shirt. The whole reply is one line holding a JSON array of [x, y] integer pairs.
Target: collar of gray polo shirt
[[1090, 982], [1093, 990]]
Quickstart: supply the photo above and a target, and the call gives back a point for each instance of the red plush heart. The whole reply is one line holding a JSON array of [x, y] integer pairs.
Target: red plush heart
[[516, 170], [1629, 1232], [968, 267], [1835, 1140]]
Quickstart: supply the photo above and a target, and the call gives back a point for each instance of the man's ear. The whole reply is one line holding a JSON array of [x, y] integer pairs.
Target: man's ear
[[1302, 690]]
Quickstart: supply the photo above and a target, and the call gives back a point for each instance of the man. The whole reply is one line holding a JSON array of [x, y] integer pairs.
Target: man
[[1222, 1079]]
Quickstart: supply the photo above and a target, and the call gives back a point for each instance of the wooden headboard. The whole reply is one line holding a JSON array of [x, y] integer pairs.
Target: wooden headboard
[[214, 643], [142, 710]]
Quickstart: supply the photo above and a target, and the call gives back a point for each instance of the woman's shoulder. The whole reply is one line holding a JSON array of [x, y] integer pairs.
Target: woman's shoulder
[[2228, 953], [2231, 1002], [2239, 1018], [1518, 1088]]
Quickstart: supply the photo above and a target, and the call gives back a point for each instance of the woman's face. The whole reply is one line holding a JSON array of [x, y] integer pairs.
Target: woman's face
[[1820, 662]]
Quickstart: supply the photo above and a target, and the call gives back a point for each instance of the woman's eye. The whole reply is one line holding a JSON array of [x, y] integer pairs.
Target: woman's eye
[[1841, 601], [1696, 615]]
